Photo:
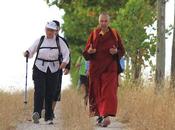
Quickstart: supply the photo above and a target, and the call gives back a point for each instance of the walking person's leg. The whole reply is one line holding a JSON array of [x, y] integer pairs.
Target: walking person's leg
[[57, 94], [84, 88], [108, 106], [39, 92], [51, 85]]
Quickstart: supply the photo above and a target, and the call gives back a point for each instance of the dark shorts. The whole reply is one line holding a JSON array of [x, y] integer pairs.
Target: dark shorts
[[84, 80]]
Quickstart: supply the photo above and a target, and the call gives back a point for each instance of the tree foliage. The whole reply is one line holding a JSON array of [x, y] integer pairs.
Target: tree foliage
[[81, 16], [130, 17], [132, 21]]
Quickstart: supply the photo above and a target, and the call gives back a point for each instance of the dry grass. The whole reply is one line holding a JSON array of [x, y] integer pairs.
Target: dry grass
[[140, 106], [74, 114], [12, 110], [145, 110]]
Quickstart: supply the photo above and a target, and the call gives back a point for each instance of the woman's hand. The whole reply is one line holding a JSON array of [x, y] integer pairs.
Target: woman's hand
[[26, 54], [66, 71], [63, 65]]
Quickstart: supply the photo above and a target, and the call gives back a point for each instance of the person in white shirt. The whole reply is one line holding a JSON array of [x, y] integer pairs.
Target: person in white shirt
[[57, 95], [45, 70]]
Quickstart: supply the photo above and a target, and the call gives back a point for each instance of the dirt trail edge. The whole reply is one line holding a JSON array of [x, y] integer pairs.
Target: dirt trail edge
[[29, 125]]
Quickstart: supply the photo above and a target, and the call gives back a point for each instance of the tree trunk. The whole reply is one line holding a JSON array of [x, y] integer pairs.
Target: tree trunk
[[127, 71], [137, 72], [137, 66], [160, 56], [173, 56]]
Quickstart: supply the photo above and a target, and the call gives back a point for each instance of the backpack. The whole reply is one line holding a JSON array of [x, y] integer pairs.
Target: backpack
[[60, 57], [121, 61]]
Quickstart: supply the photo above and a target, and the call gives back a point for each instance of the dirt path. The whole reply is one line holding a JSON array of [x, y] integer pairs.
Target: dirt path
[[115, 125], [29, 125]]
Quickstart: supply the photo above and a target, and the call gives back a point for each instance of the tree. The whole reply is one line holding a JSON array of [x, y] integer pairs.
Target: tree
[[81, 16], [131, 22], [173, 56], [160, 52]]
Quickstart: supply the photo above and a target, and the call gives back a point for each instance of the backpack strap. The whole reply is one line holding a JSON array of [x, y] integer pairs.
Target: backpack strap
[[69, 64], [64, 41], [94, 35], [58, 44], [115, 33], [120, 61], [39, 45], [60, 56]]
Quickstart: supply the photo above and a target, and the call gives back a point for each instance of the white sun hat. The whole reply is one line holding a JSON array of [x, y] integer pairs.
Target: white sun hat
[[51, 25]]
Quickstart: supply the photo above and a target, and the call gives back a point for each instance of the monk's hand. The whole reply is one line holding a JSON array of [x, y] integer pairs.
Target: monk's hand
[[66, 71], [113, 50], [91, 50], [63, 65]]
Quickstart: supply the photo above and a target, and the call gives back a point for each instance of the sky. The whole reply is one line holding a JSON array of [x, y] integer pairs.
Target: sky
[[169, 20], [22, 22]]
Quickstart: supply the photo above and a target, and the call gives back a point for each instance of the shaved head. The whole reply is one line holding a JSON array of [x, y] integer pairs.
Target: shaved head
[[104, 14], [104, 20]]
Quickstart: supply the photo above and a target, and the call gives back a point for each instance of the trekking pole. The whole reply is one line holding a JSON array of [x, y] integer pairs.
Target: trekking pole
[[25, 92]]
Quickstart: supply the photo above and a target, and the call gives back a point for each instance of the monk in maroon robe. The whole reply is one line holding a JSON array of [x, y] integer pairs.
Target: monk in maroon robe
[[103, 49]]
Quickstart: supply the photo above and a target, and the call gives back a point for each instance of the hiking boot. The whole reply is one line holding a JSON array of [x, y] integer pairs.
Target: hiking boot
[[53, 116], [99, 120], [105, 122], [35, 117], [49, 122]]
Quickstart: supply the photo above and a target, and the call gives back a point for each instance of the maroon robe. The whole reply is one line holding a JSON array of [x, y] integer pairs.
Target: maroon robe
[[103, 74]]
